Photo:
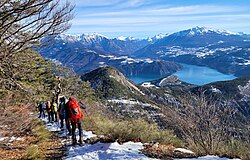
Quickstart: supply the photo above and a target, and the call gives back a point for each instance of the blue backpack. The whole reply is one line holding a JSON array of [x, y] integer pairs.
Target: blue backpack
[[43, 106]]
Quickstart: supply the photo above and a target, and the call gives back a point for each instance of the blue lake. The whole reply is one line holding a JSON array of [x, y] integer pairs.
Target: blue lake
[[191, 74]]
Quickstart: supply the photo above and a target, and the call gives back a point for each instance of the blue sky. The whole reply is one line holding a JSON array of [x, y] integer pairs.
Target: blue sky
[[146, 18]]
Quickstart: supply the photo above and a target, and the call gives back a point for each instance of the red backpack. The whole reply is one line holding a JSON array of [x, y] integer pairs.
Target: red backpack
[[74, 109]]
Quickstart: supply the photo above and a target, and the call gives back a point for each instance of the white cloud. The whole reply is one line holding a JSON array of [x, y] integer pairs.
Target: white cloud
[[167, 19], [182, 10], [195, 9], [89, 3], [136, 16], [115, 3]]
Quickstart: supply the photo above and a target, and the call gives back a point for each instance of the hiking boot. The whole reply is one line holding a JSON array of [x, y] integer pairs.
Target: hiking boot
[[80, 141], [70, 131], [74, 141]]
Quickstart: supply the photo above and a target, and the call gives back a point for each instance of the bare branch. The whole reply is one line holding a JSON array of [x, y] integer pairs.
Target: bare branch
[[24, 22]]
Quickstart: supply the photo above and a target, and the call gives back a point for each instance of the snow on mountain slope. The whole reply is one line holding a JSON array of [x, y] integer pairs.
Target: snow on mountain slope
[[84, 37], [157, 37], [122, 38], [204, 30]]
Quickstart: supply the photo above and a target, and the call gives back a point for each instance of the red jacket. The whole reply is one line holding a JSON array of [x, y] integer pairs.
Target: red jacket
[[75, 110]]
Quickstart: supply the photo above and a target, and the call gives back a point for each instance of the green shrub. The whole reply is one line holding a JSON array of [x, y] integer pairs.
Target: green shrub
[[135, 130], [41, 132], [236, 148], [32, 152]]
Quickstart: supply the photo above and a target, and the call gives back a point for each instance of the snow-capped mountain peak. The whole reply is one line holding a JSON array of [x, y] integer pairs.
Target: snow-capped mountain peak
[[68, 37], [93, 36], [83, 37], [123, 38], [226, 33], [160, 36], [157, 37], [198, 30]]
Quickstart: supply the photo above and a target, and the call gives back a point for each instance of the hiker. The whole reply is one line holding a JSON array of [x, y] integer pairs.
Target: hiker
[[54, 111], [61, 111], [67, 117], [76, 119], [49, 111], [41, 108]]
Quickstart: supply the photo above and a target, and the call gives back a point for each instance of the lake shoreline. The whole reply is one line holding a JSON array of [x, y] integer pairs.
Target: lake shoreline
[[193, 74]]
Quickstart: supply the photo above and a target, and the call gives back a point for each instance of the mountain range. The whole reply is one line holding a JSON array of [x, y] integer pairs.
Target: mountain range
[[222, 50], [119, 46], [88, 52]]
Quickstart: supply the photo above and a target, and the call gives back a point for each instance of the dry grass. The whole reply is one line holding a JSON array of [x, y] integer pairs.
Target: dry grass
[[45, 145], [37, 142], [33, 152], [235, 149], [135, 130], [41, 132]]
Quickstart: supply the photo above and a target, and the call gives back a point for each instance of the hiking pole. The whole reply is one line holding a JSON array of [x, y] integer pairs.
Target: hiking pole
[[84, 108], [92, 122]]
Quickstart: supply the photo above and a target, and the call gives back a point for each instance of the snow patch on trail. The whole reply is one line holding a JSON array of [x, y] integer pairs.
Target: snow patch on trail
[[98, 151], [206, 158], [104, 151]]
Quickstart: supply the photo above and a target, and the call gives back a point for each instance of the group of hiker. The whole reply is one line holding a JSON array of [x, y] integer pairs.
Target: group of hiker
[[68, 112], [51, 109]]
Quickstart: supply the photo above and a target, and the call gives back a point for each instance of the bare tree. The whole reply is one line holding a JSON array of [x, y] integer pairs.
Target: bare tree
[[204, 123], [24, 22]]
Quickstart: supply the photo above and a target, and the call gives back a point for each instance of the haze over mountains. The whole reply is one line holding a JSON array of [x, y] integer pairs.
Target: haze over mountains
[[224, 51]]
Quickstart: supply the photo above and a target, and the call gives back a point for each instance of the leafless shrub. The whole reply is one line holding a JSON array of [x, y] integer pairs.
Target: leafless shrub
[[205, 124], [17, 119]]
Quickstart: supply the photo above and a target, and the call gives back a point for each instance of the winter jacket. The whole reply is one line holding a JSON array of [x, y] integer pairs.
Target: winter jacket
[[75, 110]]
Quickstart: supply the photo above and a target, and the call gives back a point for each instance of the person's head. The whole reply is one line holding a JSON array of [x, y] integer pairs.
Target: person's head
[[71, 98], [62, 99]]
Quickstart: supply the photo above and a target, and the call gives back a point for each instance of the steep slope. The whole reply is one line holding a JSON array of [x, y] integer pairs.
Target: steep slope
[[108, 82], [123, 97], [224, 51], [235, 92], [228, 89]]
